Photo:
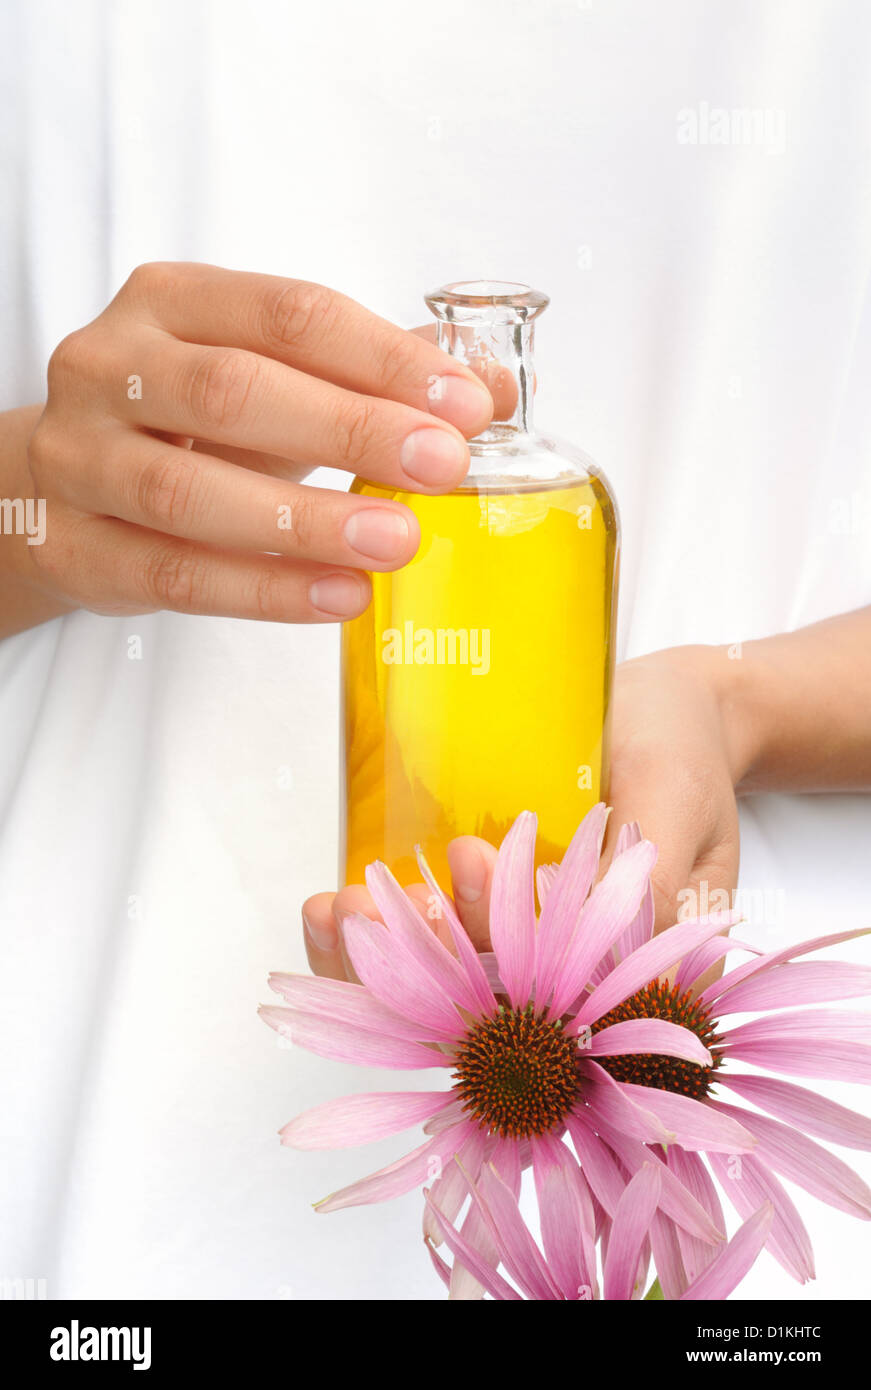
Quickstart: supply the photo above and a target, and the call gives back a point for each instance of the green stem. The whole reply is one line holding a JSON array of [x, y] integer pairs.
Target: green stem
[[654, 1291]]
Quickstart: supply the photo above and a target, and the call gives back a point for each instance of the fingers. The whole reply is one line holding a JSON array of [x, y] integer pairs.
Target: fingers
[[322, 929], [311, 328], [696, 870], [110, 566], [234, 397], [141, 479], [499, 380], [321, 936], [472, 862]]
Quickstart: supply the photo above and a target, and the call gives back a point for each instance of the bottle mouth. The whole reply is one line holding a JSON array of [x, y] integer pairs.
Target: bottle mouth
[[469, 301]]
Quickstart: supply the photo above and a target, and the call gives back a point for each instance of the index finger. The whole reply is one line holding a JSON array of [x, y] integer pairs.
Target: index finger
[[310, 327]]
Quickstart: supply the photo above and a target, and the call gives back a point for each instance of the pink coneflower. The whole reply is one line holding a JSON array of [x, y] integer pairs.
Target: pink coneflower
[[516, 1073], [819, 1043], [566, 1269]]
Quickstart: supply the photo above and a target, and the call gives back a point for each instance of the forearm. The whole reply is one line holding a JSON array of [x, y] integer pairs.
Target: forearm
[[24, 601], [797, 707]]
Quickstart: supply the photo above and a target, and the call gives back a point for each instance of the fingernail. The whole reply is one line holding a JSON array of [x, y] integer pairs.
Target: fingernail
[[324, 938], [434, 458], [377, 533], [468, 872], [467, 404], [337, 594]]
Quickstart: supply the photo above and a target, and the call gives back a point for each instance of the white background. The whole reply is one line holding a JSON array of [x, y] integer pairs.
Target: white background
[[709, 341]]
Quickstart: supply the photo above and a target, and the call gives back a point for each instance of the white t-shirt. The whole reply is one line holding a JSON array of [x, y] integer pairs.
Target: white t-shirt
[[690, 184]]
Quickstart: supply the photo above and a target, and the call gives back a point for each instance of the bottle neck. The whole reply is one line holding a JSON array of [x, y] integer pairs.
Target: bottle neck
[[501, 355]]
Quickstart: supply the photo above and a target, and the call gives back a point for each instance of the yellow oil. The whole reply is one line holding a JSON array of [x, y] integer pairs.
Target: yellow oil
[[476, 685]]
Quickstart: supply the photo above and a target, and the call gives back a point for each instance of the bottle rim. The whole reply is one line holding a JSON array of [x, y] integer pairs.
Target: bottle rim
[[476, 295]]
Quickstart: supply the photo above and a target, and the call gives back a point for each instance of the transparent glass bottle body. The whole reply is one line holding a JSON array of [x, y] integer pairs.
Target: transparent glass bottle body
[[478, 682]]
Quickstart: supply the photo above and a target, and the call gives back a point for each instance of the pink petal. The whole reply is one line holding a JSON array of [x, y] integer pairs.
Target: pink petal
[[505, 1155], [600, 971], [813, 1024], [398, 979], [695, 963], [603, 1220], [697, 1124], [352, 1120], [464, 1286], [799, 1106], [418, 938], [566, 1215], [400, 1177], [505, 1158], [827, 1043], [803, 1161], [689, 1169], [827, 1060], [491, 972], [450, 1191], [640, 929], [451, 1115], [608, 1099], [748, 1184], [628, 835], [649, 962], [727, 1269], [520, 1255], [606, 914], [545, 878], [753, 967], [814, 982], [653, 1035], [675, 1201], [632, 1221], [564, 903], [475, 1263], [667, 1256], [484, 1001], [344, 1003], [512, 910], [598, 1163], [441, 1267], [345, 1043]]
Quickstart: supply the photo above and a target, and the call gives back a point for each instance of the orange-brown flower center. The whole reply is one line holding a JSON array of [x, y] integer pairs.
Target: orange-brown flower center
[[517, 1074], [664, 1001]]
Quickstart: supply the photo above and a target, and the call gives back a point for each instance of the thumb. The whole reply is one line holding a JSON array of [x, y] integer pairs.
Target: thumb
[[472, 862]]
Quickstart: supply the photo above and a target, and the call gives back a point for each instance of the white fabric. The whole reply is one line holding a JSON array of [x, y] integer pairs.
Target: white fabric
[[709, 342]]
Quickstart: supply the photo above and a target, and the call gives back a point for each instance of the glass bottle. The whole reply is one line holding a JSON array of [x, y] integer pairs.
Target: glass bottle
[[477, 683]]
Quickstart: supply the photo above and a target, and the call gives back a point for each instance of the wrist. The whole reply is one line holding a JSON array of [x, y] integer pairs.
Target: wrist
[[736, 677], [26, 598]]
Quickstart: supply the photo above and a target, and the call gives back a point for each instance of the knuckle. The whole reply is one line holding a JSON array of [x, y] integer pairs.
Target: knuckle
[[295, 313], [355, 424], [269, 597], [164, 490], [394, 363], [150, 279], [51, 558], [171, 577], [46, 449], [55, 559], [69, 358], [302, 513], [220, 386]]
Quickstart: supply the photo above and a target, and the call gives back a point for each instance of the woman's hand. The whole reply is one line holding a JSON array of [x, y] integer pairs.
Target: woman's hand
[[671, 770], [674, 770], [471, 862], [180, 423]]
